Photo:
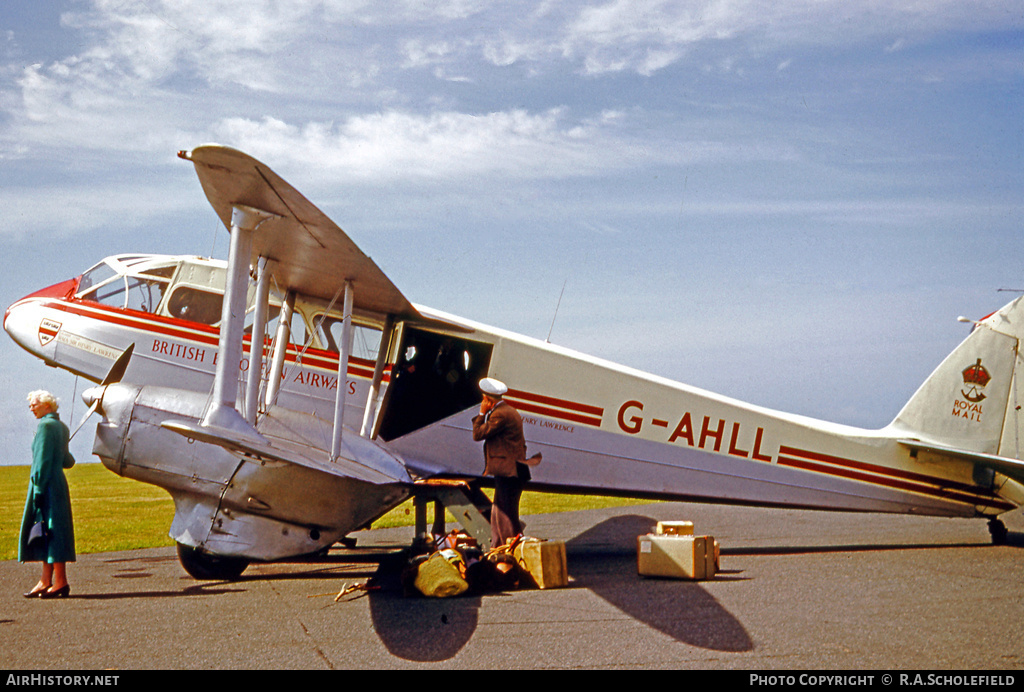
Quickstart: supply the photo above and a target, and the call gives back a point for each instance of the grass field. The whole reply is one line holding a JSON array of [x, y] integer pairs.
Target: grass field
[[113, 513]]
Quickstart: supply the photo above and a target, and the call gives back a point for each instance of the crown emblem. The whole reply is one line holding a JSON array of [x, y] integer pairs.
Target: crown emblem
[[977, 374], [975, 378]]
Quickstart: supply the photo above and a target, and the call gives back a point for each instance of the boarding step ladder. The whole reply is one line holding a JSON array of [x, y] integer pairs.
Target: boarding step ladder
[[465, 501]]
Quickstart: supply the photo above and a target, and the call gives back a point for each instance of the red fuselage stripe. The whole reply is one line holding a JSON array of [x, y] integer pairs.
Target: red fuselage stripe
[[201, 333], [891, 478], [553, 413], [871, 468], [560, 403]]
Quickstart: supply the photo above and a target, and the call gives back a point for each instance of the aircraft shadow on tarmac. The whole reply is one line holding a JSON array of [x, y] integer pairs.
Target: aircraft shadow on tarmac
[[603, 560], [127, 569]]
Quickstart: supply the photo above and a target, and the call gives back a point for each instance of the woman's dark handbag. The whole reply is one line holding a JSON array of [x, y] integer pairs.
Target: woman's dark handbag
[[36, 533]]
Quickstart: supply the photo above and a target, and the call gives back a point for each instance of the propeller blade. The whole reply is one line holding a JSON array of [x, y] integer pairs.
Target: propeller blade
[[115, 374], [92, 409], [116, 371]]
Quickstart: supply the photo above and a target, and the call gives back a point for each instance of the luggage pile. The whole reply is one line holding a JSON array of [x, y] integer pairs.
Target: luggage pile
[[673, 551], [456, 565]]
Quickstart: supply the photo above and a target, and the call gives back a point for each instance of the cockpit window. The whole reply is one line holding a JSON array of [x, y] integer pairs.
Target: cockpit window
[[131, 292], [114, 282], [195, 305], [111, 294], [94, 277]]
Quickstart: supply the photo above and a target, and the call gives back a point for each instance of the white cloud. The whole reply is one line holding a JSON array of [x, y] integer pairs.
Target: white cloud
[[79, 105], [182, 65], [507, 50], [419, 54], [442, 145], [625, 34], [466, 149]]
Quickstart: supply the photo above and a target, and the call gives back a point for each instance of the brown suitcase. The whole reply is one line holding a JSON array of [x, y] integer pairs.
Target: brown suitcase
[[543, 562]]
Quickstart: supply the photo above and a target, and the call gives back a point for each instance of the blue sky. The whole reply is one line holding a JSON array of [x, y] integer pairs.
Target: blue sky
[[789, 203]]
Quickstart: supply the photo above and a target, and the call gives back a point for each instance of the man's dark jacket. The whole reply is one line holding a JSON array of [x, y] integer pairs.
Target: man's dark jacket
[[504, 445]]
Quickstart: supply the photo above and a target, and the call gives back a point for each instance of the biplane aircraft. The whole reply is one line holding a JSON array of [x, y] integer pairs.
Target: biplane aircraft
[[293, 394]]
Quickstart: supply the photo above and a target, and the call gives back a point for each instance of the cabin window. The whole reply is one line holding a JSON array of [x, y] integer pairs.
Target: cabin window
[[365, 340], [195, 305], [297, 328], [273, 312]]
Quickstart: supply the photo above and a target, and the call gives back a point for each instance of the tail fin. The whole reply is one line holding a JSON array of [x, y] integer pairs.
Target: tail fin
[[969, 401]]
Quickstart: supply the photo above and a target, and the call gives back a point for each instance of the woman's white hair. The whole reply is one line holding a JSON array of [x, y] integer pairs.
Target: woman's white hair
[[42, 396]]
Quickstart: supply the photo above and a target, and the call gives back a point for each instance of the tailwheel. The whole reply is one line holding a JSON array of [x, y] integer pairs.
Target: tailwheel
[[998, 531], [205, 566]]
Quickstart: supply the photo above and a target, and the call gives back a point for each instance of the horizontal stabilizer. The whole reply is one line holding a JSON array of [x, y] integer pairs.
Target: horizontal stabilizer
[[365, 460], [1012, 468]]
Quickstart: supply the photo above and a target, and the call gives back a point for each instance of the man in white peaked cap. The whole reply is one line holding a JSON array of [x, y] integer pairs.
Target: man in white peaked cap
[[501, 428]]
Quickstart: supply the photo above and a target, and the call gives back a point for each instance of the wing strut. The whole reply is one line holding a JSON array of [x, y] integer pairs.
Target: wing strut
[[345, 351], [222, 412], [284, 324], [252, 389]]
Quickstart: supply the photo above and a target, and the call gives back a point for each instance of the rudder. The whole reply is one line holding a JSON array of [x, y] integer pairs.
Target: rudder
[[964, 402]]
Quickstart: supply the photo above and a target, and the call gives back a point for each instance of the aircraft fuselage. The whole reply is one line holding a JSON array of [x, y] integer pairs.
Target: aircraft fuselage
[[602, 428]]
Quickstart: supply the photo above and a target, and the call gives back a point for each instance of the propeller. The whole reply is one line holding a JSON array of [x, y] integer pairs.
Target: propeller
[[115, 374]]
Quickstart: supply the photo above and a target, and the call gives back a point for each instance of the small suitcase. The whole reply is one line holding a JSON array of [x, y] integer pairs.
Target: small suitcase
[[679, 557], [542, 562], [674, 528]]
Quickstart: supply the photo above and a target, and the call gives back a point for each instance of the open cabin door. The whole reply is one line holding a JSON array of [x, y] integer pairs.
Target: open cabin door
[[434, 376]]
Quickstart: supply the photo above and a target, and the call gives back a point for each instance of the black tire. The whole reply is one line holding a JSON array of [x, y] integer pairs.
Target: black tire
[[206, 566], [998, 531]]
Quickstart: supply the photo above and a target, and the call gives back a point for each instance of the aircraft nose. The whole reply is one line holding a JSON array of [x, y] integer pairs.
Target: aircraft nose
[[23, 323], [29, 321]]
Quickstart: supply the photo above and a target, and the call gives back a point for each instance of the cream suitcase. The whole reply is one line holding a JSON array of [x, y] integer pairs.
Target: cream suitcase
[[674, 528], [679, 557]]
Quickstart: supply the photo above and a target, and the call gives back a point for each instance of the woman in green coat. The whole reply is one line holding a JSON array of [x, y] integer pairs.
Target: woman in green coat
[[48, 501]]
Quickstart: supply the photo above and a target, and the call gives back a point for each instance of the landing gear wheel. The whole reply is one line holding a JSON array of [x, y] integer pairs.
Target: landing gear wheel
[[998, 530], [205, 566]]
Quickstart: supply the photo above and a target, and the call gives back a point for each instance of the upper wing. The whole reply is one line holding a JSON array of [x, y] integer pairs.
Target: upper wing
[[311, 254]]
